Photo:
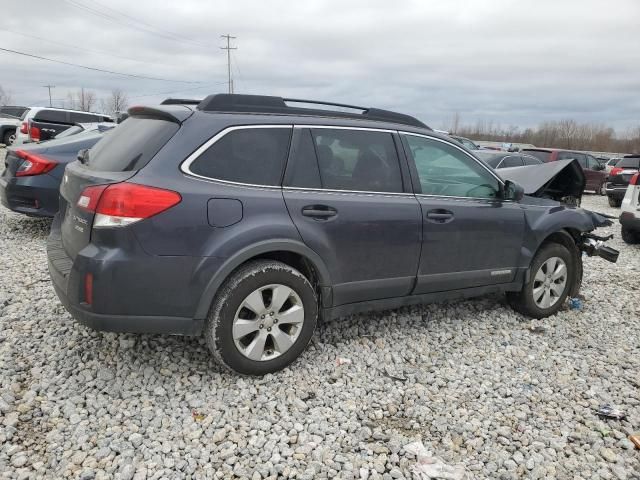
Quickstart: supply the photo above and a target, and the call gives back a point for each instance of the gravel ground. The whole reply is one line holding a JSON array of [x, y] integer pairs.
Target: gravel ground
[[480, 389]]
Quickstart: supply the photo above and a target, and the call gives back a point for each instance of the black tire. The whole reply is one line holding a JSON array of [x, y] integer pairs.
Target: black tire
[[630, 236], [523, 301], [8, 137], [614, 202], [240, 284]]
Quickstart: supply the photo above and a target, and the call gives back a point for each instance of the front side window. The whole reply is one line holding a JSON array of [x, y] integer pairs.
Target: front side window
[[447, 171], [247, 155], [358, 160], [53, 116]]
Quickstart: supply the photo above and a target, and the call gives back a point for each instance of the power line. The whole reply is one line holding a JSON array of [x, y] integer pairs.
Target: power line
[[228, 48], [88, 50], [119, 21], [93, 68], [177, 37]]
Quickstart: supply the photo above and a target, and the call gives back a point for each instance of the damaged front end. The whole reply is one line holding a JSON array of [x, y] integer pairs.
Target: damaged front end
[[562, 180]]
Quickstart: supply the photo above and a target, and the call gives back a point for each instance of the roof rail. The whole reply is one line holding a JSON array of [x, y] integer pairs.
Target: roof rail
[[226, 102], [180, 101]]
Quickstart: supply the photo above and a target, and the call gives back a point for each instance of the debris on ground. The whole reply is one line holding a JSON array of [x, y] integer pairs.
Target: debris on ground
[[429, 467], [607, 411], [635, 439], [198, 417], [537, 329], [575, 303], [388, 371], [343, 361]]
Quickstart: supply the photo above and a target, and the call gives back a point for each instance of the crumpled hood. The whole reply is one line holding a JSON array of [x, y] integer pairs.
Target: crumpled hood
[[555, 180]]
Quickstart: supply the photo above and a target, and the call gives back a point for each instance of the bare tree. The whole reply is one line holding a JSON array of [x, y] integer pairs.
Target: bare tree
[[5, 97], [82, 99], [117, 102]]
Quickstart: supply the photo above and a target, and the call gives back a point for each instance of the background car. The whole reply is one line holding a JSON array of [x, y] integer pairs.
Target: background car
[[43, 123], [8, 126], [12, 110], [619, 178], [32, 173], [470, 144], [611, 163], [508, 160], [630, 216], [596, 177], [85, 127]]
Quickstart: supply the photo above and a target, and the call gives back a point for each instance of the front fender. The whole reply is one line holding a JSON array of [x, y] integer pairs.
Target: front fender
[[247, 253]]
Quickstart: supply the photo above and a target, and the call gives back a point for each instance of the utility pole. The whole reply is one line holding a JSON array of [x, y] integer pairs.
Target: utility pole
[[228, 48], [49, 87]]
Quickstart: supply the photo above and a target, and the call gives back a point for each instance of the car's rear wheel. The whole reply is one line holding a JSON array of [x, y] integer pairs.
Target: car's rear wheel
[[9, 138], [262, 318], [614, 202], [552, 276], [630, 236]]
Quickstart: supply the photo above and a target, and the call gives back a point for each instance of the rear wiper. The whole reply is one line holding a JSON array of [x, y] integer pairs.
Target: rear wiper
[[82, 156]]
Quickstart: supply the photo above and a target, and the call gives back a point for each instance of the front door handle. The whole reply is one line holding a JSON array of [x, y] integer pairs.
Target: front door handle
[[439, 215], [320, 212]]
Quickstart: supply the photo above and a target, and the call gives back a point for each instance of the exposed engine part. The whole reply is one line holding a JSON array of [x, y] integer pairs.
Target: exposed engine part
[[593, 246]]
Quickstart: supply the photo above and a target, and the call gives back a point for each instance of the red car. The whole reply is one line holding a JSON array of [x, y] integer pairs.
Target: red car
[[593, 171]]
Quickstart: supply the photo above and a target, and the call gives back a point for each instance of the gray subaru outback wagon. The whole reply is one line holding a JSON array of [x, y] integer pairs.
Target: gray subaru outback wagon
[[246, 219]]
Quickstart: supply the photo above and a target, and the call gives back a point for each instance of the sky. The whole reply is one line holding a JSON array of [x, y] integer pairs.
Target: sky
[[510, 62]]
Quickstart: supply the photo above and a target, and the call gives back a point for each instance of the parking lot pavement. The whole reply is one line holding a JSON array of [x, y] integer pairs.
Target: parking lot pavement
[[472, 382]]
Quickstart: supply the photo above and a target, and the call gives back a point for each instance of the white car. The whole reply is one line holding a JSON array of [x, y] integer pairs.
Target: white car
[[43, 123], [8, 127], [630, 217]]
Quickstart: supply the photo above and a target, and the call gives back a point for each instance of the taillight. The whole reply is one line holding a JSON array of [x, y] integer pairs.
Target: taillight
[[615, 171], [34, 133], [24, 128], [33, 164], [122, 204], [635, 180]]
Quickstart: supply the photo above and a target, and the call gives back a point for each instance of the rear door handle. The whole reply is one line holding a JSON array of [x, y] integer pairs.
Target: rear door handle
[[439, 216], [322, 212]]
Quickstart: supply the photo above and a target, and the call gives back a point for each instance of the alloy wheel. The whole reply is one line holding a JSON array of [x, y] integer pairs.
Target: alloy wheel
[[268, 322], [550, 282]]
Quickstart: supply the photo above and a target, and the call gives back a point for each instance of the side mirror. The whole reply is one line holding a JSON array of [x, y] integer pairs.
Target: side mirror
[[513, 191]]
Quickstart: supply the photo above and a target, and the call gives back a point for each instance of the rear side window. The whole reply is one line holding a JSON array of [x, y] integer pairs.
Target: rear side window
[[531, 160], [53, 116], [357, 160], [302, 169], [248, 155], [130, 146], [84, 117], [541, 154], [511, 161], [629, 162]]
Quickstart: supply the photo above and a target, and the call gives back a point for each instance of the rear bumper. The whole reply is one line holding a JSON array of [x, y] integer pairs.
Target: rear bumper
[[630, 221], [124, 301], [35, 196]]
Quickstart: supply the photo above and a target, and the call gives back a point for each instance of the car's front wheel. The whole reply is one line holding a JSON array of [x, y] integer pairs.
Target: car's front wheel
[[9, 138], [262, 318], [552, 276]]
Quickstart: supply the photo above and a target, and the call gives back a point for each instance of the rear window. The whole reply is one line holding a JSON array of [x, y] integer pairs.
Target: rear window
[[511, 161], [130, 146], [54, 116], [248, 155], [541, 154], [629, 163], [531, 160]]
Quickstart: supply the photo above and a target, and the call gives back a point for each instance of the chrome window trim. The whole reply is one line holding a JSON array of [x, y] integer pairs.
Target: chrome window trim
[[185, 166]]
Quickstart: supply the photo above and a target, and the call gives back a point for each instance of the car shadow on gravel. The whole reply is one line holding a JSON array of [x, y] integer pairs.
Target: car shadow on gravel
[[34, 227]]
